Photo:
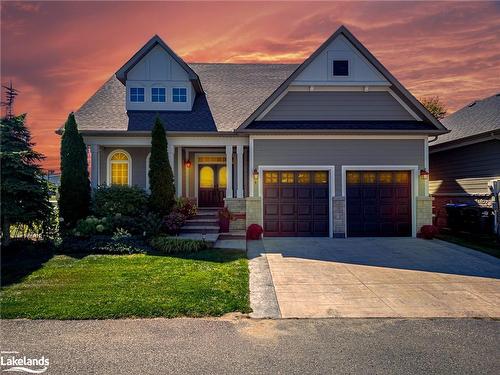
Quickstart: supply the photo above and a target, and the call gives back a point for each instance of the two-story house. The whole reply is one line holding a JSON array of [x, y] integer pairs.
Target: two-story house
[[335, 146]]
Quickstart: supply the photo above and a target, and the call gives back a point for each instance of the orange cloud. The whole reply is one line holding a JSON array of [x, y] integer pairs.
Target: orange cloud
[[58, 53]]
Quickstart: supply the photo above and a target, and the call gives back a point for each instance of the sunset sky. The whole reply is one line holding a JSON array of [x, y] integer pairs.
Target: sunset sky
[[59, 53]]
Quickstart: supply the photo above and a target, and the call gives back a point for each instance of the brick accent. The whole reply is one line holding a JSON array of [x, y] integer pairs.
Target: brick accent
[[254, 211], [338, 214], [424, 212], [237, 206]]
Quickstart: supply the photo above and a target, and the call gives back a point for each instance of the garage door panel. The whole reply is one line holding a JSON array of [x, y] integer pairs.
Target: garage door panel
[[303, 204], [378, 203]]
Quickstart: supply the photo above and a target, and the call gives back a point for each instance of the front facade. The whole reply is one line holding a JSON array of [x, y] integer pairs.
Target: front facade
[[333, 147]]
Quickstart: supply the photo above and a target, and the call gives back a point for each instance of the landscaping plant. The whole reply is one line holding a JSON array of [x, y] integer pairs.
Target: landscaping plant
[[172, 245], [225, 216], [124, 200], [161, 178], [74, 192], [24, 191], [173, 222], [186, 207]]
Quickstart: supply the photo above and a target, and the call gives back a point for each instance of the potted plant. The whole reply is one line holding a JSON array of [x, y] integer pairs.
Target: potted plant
[[225, 216]]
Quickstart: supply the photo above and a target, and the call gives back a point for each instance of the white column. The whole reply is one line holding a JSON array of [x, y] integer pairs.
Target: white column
[[171, 159], [239, 161], [95, 153], [179, 172], [229, 174]]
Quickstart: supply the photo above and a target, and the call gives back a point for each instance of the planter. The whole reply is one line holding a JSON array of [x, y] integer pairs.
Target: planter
[[224, 224]]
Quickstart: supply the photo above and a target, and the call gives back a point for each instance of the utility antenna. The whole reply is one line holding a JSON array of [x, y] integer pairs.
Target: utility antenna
[[10, 96]]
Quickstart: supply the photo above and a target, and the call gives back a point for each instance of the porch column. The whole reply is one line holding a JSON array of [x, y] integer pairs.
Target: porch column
[[95, 155], [179, 172], [229, 171], [239, 155], [171, 159]]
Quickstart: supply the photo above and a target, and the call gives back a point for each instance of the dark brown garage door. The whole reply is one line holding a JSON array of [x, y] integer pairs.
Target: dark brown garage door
[[378, 203], [296, 203]]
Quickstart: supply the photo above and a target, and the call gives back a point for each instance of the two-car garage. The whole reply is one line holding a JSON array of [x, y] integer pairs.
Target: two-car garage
[[298, 202]]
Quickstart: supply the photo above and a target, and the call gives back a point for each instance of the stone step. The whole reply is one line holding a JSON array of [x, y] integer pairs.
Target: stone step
[[203, 219], [200, 229], [201, 223], [233, 235], [206, 213]]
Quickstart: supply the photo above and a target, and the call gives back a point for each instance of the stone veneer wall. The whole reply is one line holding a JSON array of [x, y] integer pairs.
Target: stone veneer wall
[[237, 206], [339, 214], [424, 212], [254, 211]]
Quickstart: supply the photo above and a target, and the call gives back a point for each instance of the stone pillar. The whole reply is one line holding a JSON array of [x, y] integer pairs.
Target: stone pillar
[[229, 172], [95, 155], [239, 155], [254, 210], [339, 217], [237, 206], [423, 212]]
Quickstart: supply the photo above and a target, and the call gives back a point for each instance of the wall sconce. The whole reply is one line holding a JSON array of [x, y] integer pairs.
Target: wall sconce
[[188, 164], [424, 174], [255, 175]]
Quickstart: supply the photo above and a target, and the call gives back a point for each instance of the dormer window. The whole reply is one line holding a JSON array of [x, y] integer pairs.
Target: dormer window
[[340, 68], [137, 94], [179, 95], [158, 95]]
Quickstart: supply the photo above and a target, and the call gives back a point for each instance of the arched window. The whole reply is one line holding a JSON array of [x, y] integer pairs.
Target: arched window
[[206, 177], [119, 168], [223, 177], [147, 171]]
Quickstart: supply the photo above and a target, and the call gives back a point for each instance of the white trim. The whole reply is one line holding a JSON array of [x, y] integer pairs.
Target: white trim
[[147, 172], [196, 170], [229, 171], [180, 169], [186, 156], [331, 184], [239, 171], [336, 86], [122, 141], [426, 166], [108, 166], [251, 182], [95, 161], [404, 105], [414, 169], [333, 136]]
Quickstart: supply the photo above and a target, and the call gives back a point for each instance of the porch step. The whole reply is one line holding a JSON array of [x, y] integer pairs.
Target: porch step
[[202, 221], [233, 235], [200, 229], [202, 212]]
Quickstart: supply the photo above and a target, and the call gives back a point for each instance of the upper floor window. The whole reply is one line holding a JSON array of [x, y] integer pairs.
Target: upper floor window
[[341, 68], [179, 95], [158, 94], [137, 94]]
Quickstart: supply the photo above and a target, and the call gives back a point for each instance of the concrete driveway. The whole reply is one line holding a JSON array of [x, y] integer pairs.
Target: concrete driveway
[[375, 277]]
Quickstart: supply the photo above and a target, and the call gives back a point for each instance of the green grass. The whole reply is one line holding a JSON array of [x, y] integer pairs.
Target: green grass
[[484, 244], [209, 283]]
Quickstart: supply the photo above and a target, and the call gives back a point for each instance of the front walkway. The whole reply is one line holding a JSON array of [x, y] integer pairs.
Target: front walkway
[[381, 277]]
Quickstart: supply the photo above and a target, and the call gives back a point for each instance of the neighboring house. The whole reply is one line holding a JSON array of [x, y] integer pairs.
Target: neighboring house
[[335, 146], [464, 161]]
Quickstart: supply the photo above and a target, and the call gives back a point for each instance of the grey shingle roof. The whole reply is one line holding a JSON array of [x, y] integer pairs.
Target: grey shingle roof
[[476, 118], [340, 125], [233, 91]]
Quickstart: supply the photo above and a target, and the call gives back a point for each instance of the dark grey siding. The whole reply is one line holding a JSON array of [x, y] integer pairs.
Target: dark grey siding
[[322, 106], [465, 170], [339, 152]]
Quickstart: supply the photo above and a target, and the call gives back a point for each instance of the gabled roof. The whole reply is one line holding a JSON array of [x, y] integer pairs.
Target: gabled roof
[[121, 74], [478, 118], [233, 91], [397, 87]]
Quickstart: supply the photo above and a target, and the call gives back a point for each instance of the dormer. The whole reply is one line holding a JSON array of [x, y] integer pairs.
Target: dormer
[[156, 79]]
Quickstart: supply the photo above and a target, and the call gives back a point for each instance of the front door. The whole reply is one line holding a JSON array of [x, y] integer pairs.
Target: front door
[[212, 185]]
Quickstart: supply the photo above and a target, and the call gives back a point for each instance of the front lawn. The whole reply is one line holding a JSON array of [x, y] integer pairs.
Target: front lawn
[[485, 244], [208, 283]]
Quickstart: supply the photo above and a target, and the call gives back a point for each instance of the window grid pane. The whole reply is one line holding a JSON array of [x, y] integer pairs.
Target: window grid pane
[[271, 177], [158, 94], [179, 95], [320, 177], [303, 177], [119, 173], [137, 94], [287, 177]]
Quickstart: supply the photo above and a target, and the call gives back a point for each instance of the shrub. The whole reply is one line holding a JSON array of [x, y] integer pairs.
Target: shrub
[[125, 200], [186, 207], [254, 232], [172, 245], [428, 232], [103, 245], [91, 226], [173, 222], [120, 234], [151, 225], [128, 223]]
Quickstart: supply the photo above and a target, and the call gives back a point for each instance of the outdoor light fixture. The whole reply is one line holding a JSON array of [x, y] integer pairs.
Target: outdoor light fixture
[[424, 174], [188, 164], [255, 175]]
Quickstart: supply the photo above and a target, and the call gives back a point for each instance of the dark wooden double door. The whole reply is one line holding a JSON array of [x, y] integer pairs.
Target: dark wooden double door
[[378, 203], [296, 203], [212, 185]]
